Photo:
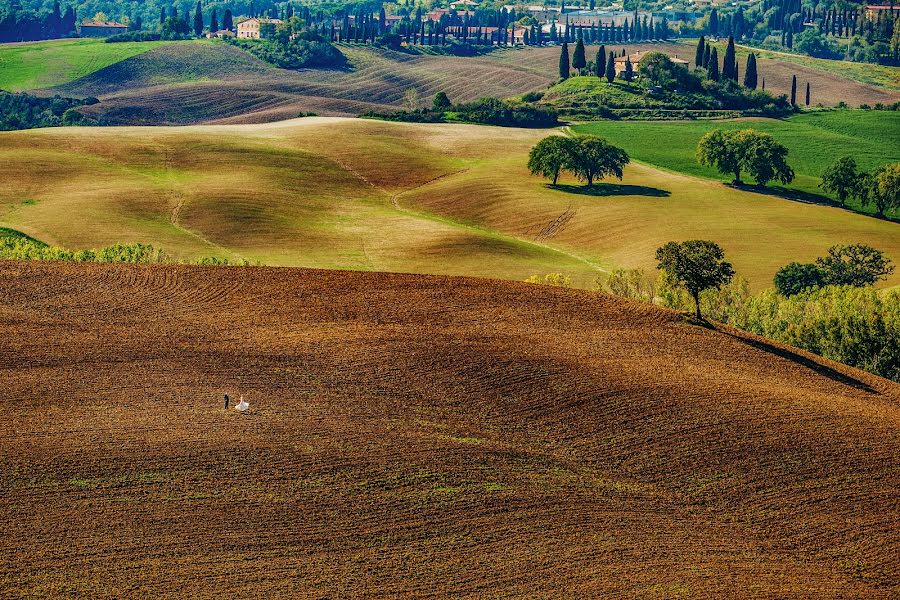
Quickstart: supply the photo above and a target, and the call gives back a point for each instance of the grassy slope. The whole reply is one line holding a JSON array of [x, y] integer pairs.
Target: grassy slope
[[413, 437], [368, 195], [41, 65], [815, 140]]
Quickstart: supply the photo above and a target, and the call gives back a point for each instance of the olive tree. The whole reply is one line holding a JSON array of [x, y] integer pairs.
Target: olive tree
[[596, 158], [551, 155], [695, 265]]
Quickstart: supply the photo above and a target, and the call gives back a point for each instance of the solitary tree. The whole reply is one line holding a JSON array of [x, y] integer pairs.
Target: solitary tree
[[698, 55], [750, 72], [441, 102], [551, 155], [578, 59], [198, 20], [793, 90], [757, 153], [842, 178], [795, 277], [695, 265], [713, 69], [729, 65], [628, 75], [595, 158], [600, 61], [564, 61], [882, 188], [807, 93], [611, 68], [858, 265]]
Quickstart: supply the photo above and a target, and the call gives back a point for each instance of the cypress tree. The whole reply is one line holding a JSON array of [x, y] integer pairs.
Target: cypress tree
[[698, 57], [578, 59], [162, 15], [600, 61], [227, 20], [764, 83], [714, 23], [214, 22], [729, 65], [706, 55], [629, 71], [807, 93], [198, 20], [794, 90], [564, 61], [714, 65], [750, 72], [611, 68]]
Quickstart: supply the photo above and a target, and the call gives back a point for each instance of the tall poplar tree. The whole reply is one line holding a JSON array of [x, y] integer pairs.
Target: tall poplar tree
[[564, 61], [750, 72], [578, 58], [198, 19]]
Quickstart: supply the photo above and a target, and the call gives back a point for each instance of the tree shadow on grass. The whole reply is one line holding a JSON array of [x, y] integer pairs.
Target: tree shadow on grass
[[817, 367], [806, 198], [611, 189]]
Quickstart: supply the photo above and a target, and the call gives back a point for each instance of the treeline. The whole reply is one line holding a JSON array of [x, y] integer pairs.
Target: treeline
[[14, 245], [486, 111], [23, 25], [828, 29], [24, 111]]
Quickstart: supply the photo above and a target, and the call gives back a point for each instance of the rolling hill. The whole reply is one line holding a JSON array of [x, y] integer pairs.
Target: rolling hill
[[419, 436], [205, 81], [370, 195]]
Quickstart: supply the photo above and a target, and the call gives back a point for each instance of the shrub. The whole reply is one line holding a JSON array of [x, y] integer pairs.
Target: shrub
[[552, 279]]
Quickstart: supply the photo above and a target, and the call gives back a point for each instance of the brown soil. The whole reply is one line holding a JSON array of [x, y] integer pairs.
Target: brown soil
[[414, 435]]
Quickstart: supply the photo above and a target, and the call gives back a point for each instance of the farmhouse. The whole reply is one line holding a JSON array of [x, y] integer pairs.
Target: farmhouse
[[222, 33], [250, 28], [636, 57], [101, 28], [874, 10]]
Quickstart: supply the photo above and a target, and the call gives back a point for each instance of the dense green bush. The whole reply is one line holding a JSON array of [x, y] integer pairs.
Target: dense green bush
[[306, 50], [486, 111], [24, 111]]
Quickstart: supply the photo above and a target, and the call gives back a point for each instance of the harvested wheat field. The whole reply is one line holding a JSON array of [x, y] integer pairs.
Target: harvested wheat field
[[421, 436]]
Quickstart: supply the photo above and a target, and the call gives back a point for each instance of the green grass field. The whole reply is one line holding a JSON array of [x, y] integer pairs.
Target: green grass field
[[814, 140], [47, 64]]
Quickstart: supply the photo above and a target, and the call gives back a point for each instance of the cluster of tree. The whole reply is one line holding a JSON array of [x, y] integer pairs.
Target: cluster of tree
[[843, 319], [672, 84], [290, 45], [829, 29], [586, 157], [486, 111], [21, 25], [639, 30], [880, 187], [855, 265], [733, 152], [24, 111]]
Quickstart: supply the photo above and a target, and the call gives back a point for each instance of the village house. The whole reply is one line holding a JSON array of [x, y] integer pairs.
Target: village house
[[250, 28], [636, 57], [874, 10], [222, 33], [101, 28]]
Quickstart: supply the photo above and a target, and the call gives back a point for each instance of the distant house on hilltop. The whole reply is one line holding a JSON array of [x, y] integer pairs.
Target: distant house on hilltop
[[101, 28], [250, 28], [222, 33], [637, 56]]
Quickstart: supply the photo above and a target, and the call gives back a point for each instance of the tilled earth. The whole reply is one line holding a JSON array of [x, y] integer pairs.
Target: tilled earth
[[423, 436]]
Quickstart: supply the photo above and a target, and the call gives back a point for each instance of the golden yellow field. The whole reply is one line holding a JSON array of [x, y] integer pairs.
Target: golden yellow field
[[370, 195]]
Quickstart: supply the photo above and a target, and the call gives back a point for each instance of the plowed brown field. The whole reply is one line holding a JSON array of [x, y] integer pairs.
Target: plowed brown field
[[423, 436]]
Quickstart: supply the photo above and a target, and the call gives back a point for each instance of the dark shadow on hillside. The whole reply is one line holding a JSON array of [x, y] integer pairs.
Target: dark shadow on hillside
[[611, 189], [805, 197], [818, 368]]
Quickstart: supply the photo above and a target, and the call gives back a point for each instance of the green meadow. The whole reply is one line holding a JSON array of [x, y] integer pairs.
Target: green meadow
[[814, 140]]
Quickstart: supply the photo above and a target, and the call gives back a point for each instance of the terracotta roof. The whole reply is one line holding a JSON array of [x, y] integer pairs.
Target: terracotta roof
[[103, 24]]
